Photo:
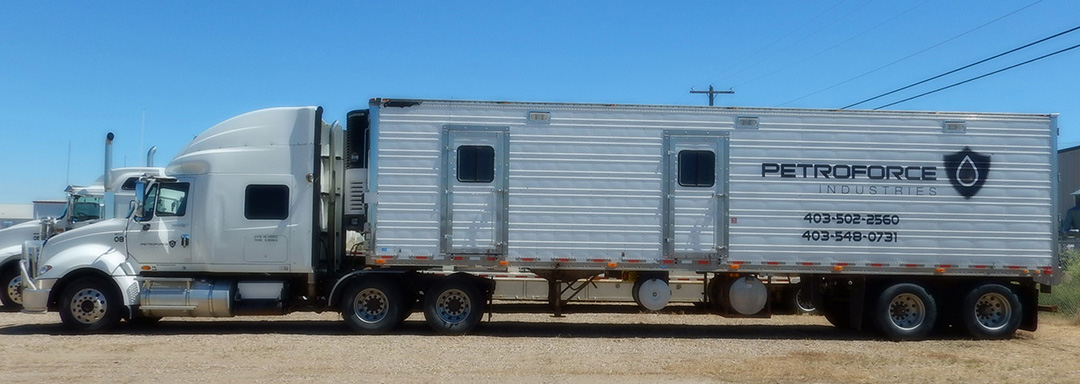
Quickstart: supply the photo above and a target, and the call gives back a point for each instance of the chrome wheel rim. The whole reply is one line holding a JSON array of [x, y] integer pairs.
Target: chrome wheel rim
[[371, 305], [453, 306], [907, 311], [88, 306], [993, 311], [803, 300], [14, 289]]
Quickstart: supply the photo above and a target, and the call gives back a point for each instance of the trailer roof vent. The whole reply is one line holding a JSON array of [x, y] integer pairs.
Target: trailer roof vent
[[955, 127], [539, 117], [746, 122]]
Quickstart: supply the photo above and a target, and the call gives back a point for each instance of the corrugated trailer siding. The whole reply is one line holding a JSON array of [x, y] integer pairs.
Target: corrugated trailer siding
[[1005, 224], [588, 184]]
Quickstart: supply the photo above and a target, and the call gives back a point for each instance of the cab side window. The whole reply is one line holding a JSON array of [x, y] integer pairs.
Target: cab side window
[[172, 199], [266, 202]]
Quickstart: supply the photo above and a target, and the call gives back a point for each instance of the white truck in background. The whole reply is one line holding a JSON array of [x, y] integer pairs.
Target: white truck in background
[[901, 222], [109, 196]]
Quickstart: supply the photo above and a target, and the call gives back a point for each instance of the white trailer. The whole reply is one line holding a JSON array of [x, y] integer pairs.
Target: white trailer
[[897, 221], [111, 195]]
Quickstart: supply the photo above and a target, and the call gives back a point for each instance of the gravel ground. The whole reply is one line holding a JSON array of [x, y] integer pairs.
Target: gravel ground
[[524, 347]]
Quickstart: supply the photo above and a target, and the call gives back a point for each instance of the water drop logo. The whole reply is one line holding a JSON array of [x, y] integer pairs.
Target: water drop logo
[[967, 171]]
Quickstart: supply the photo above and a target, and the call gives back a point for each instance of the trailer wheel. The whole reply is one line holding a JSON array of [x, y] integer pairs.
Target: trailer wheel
[[372, 305], [12, 295], [905, 311], [837, 315], [90, 304], [454, 306], [991, 311]]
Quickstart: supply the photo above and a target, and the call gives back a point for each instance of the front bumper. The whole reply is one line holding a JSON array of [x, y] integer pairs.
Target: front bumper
[[35, 292]]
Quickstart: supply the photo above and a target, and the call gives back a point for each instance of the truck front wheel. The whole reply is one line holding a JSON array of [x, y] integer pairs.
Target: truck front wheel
[[906, 311], [373, 305], [90, 304], [12, 295]]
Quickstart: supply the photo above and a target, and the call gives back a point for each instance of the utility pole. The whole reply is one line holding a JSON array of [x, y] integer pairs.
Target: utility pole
[[712, 93]]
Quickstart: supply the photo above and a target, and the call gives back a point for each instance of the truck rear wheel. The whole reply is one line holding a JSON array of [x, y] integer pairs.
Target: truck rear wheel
[[905, 311], [12, 295], [991, 311], [454, 306], [373, 305], [90, 304]]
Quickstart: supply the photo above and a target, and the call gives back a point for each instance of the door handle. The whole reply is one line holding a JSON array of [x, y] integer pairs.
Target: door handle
[[185, 240]]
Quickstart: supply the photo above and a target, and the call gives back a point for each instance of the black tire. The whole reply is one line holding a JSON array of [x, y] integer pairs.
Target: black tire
[[991, 311], [11, 296], [837, 313], [90, 305], [454, 305], [905, 311], [372, 305]]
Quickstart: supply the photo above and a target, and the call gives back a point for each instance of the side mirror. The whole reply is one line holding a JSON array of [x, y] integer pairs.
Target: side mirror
[[140, 196], [131, 208]]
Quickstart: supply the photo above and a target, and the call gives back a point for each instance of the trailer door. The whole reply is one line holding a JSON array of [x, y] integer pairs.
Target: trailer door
[[695, 209], [474, 206]]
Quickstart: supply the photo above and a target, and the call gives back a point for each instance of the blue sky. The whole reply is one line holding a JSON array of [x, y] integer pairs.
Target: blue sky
[[70, 72]]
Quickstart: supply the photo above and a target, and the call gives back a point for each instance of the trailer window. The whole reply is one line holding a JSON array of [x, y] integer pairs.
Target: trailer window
[[266, 202], [475, 164], [172, 199], [697, 168]]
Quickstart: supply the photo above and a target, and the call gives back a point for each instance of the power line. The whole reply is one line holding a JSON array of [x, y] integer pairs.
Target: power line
[[807, 36], [909, 56], [762, 49], [980, 76], [962, 68], [857, 35]]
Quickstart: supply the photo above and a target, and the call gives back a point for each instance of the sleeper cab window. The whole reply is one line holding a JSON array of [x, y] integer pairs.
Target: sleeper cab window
[[172, 199], [697, 168], [266, 202], [475, 164]]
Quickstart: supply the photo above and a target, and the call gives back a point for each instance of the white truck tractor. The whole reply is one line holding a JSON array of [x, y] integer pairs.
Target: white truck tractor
[[901, 222], [109, 196]]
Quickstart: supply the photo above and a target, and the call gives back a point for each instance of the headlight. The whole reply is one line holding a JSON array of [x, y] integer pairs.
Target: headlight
[[44, 269]]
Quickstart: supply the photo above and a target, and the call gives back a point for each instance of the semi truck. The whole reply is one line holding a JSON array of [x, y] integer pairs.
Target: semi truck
[[109, 196], [901, 222]]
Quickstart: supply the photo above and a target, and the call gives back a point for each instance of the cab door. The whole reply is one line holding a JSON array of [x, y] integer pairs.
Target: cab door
[[161, 238], [695, 208]]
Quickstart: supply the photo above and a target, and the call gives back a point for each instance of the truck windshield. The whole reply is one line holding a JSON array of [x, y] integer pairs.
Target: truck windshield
[[86, 208]]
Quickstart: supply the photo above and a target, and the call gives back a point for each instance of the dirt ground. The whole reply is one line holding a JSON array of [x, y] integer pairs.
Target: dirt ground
[[524, 347]]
